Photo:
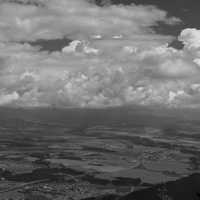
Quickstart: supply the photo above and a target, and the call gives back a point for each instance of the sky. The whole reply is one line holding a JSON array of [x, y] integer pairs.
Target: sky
[[186, 10], [94, 54]]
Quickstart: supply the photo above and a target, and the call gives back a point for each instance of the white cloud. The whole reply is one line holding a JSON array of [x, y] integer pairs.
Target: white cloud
[[7, 98], [190, 38], [158, 75], [115, 58], [75, 18], [71, 47]]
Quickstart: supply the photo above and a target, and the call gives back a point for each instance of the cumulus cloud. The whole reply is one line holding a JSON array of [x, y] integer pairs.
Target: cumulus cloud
[[158, 75], [71, 47], [115, 58], [190, 38], [4, 99]]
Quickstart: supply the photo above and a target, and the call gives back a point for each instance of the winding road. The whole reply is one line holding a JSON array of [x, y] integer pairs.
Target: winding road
[[138, 161]]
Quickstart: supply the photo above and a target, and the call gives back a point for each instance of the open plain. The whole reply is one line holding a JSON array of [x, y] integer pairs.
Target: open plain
[[88, 159]]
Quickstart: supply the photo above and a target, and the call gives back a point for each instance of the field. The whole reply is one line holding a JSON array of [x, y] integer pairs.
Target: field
[[98, 155]]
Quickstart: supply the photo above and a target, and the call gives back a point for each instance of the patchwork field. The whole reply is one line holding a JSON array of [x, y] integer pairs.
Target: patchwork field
[[94, 156]]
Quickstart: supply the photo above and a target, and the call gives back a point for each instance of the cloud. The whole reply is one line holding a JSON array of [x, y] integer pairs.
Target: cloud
[[155, 76], [4, 99], [140, 41], [190, 38], [71, 47], [76, 19], [115, 58]]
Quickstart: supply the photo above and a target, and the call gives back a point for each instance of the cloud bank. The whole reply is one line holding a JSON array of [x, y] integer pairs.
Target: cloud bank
[[116, 58], [49, 19]]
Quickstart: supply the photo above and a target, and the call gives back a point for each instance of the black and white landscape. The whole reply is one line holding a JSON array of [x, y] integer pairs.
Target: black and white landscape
[[99, 99], [90, 152]]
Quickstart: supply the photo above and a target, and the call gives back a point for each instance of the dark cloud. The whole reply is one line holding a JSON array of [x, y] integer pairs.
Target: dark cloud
[[23, 2]]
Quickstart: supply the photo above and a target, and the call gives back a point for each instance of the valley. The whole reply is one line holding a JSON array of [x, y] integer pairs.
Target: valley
[[83, 161]]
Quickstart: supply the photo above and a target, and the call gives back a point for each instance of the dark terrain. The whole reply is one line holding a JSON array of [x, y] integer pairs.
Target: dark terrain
[[113, 153]]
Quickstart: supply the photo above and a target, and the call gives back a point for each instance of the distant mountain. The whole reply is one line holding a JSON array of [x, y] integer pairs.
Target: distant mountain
[[85, 117]]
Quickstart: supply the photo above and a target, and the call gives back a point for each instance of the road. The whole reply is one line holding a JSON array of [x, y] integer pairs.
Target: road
[[138, 161]]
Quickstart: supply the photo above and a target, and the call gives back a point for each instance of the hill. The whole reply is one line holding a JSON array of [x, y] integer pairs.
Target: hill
[[187, 188], [182, 189]]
